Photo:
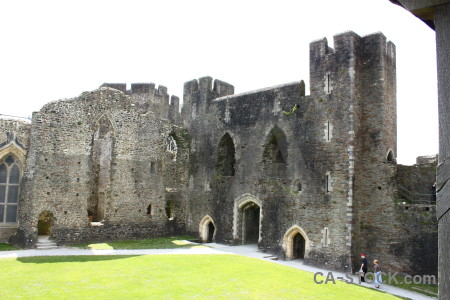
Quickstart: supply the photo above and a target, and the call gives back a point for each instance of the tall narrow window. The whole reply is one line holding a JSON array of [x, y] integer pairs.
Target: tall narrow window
[[328, 182], [101, 157], [170, 209], [328, 131], [171, 144], [328, 88], [226, 156], [325, 237], [328, 83], [149, 210], [9, 189]]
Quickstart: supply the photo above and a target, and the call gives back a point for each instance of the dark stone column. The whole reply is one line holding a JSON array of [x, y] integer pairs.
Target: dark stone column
[[442, 23]]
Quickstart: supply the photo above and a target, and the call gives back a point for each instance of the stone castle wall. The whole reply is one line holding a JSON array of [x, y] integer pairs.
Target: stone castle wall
[[60, 178], [274, 166]]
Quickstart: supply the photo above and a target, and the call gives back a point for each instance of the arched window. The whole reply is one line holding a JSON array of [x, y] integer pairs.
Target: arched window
[[9, 189], [171, 144], [225, 156], [275, 149], [275, 153], [390, 157]]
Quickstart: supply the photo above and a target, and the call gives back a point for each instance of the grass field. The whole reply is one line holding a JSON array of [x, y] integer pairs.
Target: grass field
[[426, 289], [7, 247], [165, 277]]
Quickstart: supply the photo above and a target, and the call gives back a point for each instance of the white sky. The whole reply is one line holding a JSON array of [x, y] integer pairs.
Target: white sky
[[51, 50]]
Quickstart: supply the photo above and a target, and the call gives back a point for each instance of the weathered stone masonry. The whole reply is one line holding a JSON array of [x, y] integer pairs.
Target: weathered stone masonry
[[304, 176]]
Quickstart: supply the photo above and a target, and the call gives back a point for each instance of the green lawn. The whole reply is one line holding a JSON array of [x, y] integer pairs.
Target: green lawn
[[165, 277], [7, 247], [426, 289], [153, 243]]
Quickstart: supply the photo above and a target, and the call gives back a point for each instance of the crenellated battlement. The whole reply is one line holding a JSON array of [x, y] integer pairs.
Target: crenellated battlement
[[206, 85], [351, 53], [198, 94]]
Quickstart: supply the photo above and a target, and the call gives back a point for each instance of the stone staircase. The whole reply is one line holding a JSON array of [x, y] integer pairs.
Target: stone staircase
[[44, 243]]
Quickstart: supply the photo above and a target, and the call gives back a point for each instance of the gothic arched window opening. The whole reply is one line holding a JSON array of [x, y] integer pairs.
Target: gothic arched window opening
[[172, 144], [390, 157], [9, 189], [275, 152], [226, 156]]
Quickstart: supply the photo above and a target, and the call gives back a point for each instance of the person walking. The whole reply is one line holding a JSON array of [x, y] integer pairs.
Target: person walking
[[364, 267], [377, 272]]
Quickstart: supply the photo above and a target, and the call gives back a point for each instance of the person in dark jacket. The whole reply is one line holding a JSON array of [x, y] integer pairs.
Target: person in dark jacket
[[364, 267]]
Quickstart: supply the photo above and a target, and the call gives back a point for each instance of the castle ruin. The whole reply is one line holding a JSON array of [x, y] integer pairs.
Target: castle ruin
[[303, 176]]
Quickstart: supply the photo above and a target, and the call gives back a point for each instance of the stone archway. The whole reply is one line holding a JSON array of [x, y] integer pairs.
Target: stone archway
[[298, 246], [247, 219], [211, 231], [250, 223], [45, 223], [296, 243], [207, 229]]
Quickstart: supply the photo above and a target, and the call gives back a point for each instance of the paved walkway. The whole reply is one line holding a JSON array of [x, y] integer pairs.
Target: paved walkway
[[244, 250]]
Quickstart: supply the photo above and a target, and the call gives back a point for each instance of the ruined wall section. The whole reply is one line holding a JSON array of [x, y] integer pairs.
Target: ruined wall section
[[316, 134], [14, 139], [417, 183], [416, 211], [60, 172], [198, 95], [175, 168], [147, 97]]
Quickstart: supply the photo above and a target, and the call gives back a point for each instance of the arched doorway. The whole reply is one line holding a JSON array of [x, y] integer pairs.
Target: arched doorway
[[207, 229], [296, 243], [247, 219], [250, 223], [45, 223], [298, 247], [211, 230]]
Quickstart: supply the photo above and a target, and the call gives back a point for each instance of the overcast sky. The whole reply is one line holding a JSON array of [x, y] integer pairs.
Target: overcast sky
[[51, 50]]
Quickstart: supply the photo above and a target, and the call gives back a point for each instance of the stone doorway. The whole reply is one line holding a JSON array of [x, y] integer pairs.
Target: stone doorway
[[247, 219], [211, 230], [207, 230], [250, 223], [298, 247], [296, 244], [45, 223]]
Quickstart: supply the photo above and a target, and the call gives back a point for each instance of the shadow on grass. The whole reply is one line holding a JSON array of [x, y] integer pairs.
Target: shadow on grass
[[71, 258]]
